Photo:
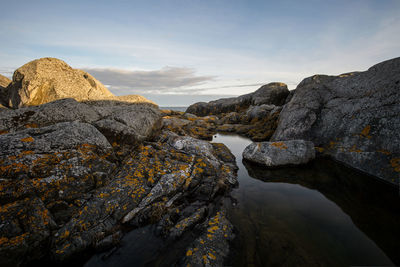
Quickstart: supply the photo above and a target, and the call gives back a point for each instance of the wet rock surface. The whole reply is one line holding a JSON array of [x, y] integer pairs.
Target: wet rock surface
[[76, 175], [276, 154], [352, 117]]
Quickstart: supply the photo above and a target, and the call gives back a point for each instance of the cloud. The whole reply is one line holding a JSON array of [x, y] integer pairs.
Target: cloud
[[165, 80]]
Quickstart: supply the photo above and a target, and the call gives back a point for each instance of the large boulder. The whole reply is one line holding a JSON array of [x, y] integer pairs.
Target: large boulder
[[48, 79], [126, 123], [271, 94], [276, 154], [352, 117]]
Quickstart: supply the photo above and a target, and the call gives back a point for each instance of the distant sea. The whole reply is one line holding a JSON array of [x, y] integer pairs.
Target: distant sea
[[175, 108]]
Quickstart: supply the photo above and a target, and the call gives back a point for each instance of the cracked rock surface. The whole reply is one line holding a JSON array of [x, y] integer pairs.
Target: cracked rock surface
[[75, 176], [352, 117]]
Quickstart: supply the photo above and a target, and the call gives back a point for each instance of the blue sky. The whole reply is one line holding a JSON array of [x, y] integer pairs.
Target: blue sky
[[179, 52]]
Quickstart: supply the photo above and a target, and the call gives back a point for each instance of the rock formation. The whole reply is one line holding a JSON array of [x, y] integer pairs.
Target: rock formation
[[272, 93], [276, 154], [252, 115], [352, 117], [76, 175], [48, 79]]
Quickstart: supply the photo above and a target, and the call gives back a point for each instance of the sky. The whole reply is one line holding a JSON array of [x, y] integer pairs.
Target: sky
[[177, 52]]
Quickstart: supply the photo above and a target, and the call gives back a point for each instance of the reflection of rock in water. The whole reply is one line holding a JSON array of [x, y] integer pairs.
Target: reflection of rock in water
[[372, 205]]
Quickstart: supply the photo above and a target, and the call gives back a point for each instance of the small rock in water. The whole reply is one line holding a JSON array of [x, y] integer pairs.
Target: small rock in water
[[274, 154]]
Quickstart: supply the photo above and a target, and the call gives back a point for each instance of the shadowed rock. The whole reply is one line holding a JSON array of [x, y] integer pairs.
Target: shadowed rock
[[275, 154], [271, 94], [353, 117]]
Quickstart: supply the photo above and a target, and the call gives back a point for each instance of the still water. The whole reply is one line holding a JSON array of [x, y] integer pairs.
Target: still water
[[320, 214]]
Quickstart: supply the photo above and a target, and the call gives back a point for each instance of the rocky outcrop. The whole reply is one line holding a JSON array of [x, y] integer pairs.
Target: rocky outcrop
[[47, 79], [4, 82], [253, 115], [352, 117], [276, 154], [272, 93], [124, 123], [75, 175]]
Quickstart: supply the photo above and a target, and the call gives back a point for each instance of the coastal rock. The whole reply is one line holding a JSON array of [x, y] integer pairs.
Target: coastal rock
[[127, 123], [47, 79], [259, 112], [272, 94], [211, 248], [275, 154], [352, 117], [69, 184], [231, 118], [197, 128]]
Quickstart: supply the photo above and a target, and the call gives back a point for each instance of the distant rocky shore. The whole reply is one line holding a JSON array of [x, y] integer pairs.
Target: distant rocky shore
[[80, 166]]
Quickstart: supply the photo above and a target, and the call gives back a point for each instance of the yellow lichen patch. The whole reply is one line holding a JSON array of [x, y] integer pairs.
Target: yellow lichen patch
[[65, 234], [395, 162], [211, 256], [14, 241], [332, 144], [27, 139], [205, 259], [354, 149], [365, 132], [189, 253], [61, 251], [280, 145], [213, 229], [319, 149]]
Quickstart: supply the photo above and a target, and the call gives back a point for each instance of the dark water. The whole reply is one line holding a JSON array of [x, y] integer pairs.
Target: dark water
[[321, 214], [175, 108]]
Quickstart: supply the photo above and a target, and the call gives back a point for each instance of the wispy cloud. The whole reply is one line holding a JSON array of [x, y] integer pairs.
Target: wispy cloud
[[167, 79]]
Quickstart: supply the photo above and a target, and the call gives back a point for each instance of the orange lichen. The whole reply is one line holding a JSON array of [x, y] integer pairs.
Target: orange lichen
[[65, 234], [384, 151], [395, 162], [27, 139], [280, 145], [189, 253], [332, 144], [365, 132], [354, 149], [211, 256]]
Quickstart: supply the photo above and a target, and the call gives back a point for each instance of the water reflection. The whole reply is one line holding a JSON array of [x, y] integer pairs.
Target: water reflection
[[321, 214]]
